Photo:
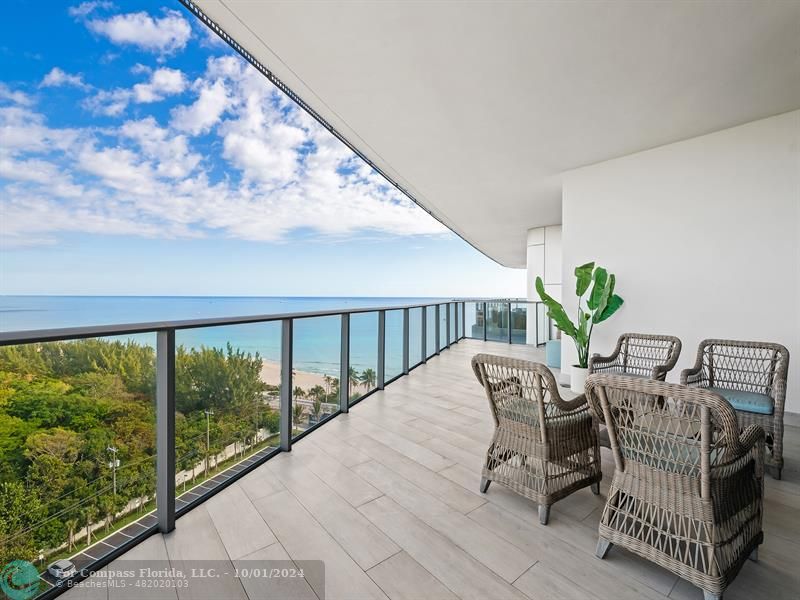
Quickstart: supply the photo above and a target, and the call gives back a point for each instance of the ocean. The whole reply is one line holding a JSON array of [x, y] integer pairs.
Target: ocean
[[316, 343]]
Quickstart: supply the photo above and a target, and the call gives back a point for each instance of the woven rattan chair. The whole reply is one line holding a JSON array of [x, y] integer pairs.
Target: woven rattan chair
[[543, 447], [639, 355], [688, 486], [752, 377]]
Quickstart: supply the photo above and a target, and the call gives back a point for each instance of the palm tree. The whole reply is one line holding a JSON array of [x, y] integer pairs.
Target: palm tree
[[298, 410], [299, 392], [89, 514], [353, 379], [316, 408], [328, 381], [368, 378], [107, 509], [71, 524]]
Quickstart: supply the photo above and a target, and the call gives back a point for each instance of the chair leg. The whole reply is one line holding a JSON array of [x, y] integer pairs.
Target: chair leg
[[776, 473], [596, 488], [710, 596], [544, 513], [603, 546], [484, 484], [754, 555]]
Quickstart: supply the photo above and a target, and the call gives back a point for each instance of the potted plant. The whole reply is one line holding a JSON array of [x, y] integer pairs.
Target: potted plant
[[601, 303]]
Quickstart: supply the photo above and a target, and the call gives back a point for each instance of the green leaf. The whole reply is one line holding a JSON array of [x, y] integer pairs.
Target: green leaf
[[600, 279], [614, 302], [583, 274], [605, 294], [555, 311]]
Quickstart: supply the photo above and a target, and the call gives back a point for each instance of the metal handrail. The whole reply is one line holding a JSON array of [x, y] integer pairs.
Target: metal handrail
[[8, 338]]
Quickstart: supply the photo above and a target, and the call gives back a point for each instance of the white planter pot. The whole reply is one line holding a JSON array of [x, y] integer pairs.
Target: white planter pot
[[577, 379]]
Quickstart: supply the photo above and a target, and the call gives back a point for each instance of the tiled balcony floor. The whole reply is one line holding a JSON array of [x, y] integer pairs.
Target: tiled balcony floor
[[387, 496]]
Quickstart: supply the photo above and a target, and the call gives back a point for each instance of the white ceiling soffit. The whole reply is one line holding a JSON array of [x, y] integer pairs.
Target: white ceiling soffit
[[476, 107]]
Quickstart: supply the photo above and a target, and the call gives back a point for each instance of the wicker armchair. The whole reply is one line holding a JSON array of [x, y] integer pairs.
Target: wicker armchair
[[752, 377], [639, 355], [687, 491], [543, 447]]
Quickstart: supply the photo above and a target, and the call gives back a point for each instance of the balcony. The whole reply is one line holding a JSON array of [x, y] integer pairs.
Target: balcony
[[386, 496]]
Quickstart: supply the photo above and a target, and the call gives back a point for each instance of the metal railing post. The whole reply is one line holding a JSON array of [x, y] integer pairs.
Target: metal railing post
[[455, 318], [536, 312], [344, 367], [286, 385], [381, 349], [405, 341], [447, 323], [438, 326], [165, 430], [485, 320], [509, 322], [463, 320], [424, 334]]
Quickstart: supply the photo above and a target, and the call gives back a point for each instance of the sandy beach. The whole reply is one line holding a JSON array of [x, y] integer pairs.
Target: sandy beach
[[271, 374]]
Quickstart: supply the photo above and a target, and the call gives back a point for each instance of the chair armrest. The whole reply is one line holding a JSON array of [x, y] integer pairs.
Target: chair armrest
[[692, 376], [566, 406], [599, 363], [751, 435]]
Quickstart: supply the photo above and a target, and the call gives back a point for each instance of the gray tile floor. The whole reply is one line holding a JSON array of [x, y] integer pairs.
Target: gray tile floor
[[387, 496]]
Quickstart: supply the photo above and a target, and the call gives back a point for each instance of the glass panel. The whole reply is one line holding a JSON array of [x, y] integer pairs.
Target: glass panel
[[453, 332], [227, 401], [519, 323], [474, 320], [497, 321], [414, 336], [77, 448], [442, 326], [363, 354], [430, 333], [394, 343], [316, 358]]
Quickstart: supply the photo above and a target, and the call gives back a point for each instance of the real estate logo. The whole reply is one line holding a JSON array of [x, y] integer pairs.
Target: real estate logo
[[19, 580]]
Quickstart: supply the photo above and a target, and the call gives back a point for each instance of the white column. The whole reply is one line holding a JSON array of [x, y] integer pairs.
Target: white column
[[544, 260]]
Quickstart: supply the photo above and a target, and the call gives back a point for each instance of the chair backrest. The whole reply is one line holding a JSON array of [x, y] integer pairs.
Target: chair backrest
[[664, 427], [639, 353], [739, 365], [519, 391]]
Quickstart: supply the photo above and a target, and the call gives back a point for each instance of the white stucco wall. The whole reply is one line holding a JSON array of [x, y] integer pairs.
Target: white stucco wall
[[702, 236]]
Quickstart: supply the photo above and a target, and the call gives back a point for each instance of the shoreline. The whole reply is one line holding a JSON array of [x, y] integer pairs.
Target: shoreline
[[271, 374]]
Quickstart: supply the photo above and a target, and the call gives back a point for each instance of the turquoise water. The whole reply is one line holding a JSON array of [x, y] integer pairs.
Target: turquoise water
[[316, 343]]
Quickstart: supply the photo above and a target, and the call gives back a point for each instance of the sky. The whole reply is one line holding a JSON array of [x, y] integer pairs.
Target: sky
[[140, 155]]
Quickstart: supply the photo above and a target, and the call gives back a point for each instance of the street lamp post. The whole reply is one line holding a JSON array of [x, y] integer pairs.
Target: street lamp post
[[208, 412], [113, 463]]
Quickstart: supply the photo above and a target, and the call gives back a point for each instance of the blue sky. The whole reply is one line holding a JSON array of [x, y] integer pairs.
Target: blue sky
[[140, 155]]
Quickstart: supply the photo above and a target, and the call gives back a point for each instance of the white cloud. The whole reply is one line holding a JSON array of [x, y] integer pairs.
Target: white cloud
[[205, 112], [85, 8], [15, 96], [163, 35], [109, 102], [57, 78], [171, 154], [162, 82], [23, 130]]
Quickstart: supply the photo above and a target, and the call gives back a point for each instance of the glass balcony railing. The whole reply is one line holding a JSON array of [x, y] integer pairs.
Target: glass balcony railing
[[111, 432]]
